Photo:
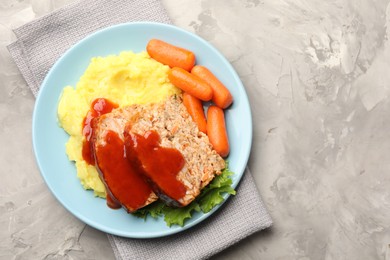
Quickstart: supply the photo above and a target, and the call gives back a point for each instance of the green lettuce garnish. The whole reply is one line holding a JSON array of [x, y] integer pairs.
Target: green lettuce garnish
[[177, 216], [210, 196]]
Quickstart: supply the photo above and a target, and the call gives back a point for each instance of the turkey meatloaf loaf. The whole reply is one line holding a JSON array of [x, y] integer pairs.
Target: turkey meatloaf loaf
[[176, 131]]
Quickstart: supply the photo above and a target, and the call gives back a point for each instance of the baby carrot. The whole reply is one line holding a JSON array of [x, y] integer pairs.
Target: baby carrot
[[190, 83], [195, 109], [221, 95], [216, 130], [170, 55]]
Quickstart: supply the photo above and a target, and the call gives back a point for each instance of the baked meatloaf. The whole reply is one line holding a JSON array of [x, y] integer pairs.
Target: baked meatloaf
[[124, 186], [151, 132]]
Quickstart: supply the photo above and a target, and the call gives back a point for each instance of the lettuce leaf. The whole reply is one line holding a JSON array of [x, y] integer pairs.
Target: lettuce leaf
[[177, 216], [154, 210], [210, 196], [214, 197]]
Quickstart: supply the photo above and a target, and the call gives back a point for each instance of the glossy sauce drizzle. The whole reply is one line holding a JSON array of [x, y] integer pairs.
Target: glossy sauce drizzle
[[99, 106], [124, 185], [160, 164], [125, 165]]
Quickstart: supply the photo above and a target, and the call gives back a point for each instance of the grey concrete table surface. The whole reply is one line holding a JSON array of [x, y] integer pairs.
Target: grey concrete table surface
[[318, 78]]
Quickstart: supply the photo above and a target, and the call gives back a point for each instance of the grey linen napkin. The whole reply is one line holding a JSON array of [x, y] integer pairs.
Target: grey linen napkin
[[41, 42], [240, 216]]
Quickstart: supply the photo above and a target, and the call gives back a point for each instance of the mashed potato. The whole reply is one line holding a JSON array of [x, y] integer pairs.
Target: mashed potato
[[125, 79]]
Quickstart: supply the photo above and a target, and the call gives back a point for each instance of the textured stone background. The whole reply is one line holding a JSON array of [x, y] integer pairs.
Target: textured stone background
[[318, 77]]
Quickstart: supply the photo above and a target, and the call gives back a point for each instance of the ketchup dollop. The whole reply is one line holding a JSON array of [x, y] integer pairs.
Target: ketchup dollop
[[159, 164], [124, 185], [99, 106], [134, 167]]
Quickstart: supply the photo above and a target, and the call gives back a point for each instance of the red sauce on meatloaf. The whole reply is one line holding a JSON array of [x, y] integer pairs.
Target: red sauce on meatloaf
[[99, 106], [159, 164], [132, 167], [124, 183]]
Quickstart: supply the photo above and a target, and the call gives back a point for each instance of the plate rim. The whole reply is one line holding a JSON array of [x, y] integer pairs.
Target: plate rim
[[35, 131]]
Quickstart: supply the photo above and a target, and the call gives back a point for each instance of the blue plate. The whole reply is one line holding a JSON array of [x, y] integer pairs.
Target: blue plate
[[49, 139]]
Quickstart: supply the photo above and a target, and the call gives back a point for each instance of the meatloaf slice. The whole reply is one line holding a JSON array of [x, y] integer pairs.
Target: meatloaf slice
[[124, 186], [176, 130]]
